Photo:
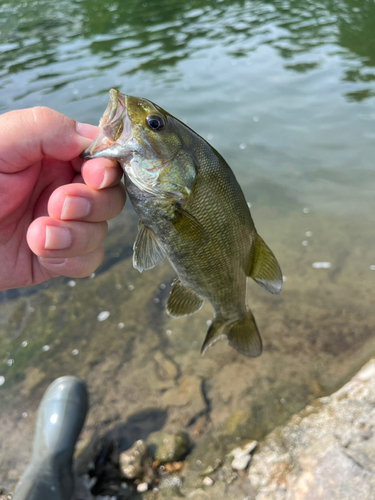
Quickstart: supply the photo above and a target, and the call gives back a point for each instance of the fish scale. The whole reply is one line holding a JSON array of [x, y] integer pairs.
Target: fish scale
[[220, 270], [192, 211]]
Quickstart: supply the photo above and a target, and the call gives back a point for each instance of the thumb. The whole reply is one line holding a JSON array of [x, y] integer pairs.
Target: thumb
[[28, 135]]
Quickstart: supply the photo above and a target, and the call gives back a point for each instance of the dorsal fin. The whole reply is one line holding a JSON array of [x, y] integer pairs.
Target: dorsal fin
[[183, 301], [264, 269], [147, 253]]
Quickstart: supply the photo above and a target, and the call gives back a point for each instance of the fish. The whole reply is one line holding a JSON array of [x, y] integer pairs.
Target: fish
[[60, 418], [191, 211]]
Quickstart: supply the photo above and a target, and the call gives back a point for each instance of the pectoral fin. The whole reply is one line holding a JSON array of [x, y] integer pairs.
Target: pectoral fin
[[242, 335], [264, 269], [147, 253], [183, 301], [187, 226]]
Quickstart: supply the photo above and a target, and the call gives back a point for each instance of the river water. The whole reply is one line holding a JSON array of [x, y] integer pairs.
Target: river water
[[285, 90]]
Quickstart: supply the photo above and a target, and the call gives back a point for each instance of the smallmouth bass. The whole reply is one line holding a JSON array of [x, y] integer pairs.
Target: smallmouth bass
[[193, 212]]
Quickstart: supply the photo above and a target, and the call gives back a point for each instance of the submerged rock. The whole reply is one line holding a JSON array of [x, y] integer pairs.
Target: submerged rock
[[131, 460], [208, 481], [166, 447], [242, 455], [325, 452], [170, 488], [142, 487]]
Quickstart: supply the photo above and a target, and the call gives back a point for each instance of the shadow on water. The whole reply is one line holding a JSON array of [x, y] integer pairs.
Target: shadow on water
[[120, 438], [137, 426]]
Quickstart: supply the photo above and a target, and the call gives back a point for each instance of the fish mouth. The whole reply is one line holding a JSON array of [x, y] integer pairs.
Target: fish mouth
[[115, 128]]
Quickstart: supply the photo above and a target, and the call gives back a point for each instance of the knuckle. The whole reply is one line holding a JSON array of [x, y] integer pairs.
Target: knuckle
[[40, 113]]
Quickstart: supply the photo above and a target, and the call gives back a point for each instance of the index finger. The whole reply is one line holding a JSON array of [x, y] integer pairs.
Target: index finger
[[100, 173], [28, 135]]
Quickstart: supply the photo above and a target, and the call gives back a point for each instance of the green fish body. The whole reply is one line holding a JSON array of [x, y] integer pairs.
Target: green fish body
[[192, 211]]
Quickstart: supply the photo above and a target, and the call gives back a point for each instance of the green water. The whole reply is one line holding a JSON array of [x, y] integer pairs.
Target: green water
[[285, 90]]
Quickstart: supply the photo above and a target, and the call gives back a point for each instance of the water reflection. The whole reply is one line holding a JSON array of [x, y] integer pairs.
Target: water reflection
[[154, 36]]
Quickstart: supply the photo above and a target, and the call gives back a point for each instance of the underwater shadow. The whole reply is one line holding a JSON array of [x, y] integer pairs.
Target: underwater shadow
[[137, 426], [97, 457]]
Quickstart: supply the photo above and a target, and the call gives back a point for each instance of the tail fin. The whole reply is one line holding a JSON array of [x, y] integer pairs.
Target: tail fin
[[243, 335]]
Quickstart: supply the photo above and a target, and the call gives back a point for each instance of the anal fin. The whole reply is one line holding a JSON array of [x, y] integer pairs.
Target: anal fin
[[183, 301], [264, 269], [147, 253]]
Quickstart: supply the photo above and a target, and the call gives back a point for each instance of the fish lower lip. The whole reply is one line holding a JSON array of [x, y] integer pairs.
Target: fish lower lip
[[85, 155], [102, 147], [94, 150]]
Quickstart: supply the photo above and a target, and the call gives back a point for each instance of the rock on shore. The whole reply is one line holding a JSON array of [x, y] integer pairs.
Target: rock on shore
[[325, 452]]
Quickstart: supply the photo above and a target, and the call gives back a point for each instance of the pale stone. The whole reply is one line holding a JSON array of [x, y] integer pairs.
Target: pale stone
[[131, 460], [207, 481], [327, 452], [241, 455], [142, 487]]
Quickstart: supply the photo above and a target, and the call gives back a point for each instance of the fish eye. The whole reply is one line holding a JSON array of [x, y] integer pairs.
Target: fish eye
[[155, 123]]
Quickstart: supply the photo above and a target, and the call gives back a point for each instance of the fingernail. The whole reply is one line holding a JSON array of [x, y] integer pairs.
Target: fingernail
[[57, 238], [47, 260], [75, 207], [86, 130], [104, 181]]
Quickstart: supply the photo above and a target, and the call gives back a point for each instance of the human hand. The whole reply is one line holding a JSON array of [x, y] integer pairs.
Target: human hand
[[53, 206]]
